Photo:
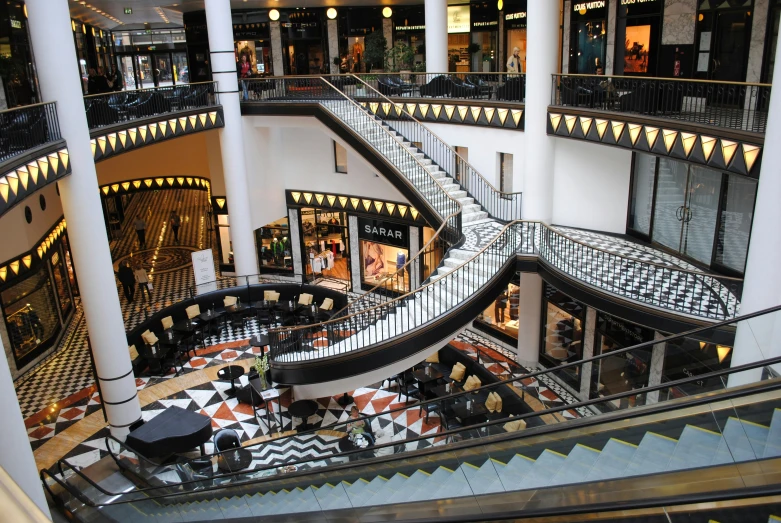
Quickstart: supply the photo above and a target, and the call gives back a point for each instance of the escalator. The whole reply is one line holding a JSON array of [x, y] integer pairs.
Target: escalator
[[723, 444]]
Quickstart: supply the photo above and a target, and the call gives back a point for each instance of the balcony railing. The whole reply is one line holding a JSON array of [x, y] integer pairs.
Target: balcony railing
[[124, 106], [27, 127], [502, 87], [739, 106]]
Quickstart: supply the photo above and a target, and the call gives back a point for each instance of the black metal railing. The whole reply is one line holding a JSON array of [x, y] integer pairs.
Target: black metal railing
[[739, 106], [123, 106], [365, 324], [503, 87], [27, 127]]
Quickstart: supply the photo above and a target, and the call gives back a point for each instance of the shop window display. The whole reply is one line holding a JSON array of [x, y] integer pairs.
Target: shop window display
[[686, 358], [31, 319], [61, 284], [253, 57], [622, 372], [381, 263], [274, 248], [562, 337], [326, 243], [588, 37], [502, 315]]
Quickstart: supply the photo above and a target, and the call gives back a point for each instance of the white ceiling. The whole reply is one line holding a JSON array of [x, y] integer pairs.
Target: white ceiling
[[144, 11]]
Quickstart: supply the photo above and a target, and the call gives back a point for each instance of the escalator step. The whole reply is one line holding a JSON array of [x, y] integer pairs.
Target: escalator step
[[652, 455], [613, 460], [545, 468], [577, 465], [513, 473], [696, 448], [773, 442]]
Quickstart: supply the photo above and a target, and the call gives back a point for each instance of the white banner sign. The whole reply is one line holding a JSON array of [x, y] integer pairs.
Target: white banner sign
[[203, 270], [458, 18]]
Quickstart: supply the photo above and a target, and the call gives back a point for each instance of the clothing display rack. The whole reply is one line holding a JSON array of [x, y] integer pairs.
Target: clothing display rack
[[324, 260]]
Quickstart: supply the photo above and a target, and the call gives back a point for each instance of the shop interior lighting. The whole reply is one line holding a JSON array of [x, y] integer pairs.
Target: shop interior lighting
[[387, 12], [331, 13], [273, 15]]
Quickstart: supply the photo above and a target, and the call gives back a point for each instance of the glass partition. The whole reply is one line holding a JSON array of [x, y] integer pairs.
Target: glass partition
[[502, 315], [562, 337]]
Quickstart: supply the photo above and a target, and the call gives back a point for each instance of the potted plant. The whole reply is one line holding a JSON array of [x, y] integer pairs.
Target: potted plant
[[399, 58], [261, 367], [375, 45], [473, 48]]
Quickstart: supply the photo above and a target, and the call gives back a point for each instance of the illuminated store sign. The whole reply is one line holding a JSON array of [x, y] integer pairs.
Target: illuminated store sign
[[630, 2], [585, 6], [458, 18]]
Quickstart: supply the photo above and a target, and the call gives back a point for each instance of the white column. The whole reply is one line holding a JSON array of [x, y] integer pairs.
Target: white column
[[220, 27], [610, 55], [300, 260], [757, 339], [588, 352], [387, 32], [565, 37], [355, 253], [333, 45], [657, 367], [17, 456], [277, 55], [541, 63], [529, 317], [436, 36], [50, 29]]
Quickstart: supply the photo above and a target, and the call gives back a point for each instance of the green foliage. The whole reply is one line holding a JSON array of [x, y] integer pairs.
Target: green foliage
[[473, 48], [374, 54], [399, 57]]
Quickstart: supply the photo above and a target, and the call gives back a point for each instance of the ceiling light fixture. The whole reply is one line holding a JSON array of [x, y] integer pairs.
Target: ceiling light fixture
[[273, 15], [387, 12], [331, 13]]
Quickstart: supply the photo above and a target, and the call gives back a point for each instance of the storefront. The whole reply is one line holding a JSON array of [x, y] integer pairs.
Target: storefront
[[563, 320], [37, 299], [17, 72], [355, 23], [156, 58], [304, 41], [458, 39], [409, 26], [500, 319], [699, 213], [484, 49], [325, 235], [723, 39], [515, 23], [622, 372], [639, 26], [588, 36], [384, 249], [252, 43], [771, 42], [273, 242], [687, 358]]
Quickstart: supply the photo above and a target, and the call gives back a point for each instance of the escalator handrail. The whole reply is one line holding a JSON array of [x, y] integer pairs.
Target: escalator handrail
[[535, 374], [681, 403], [707, 397]]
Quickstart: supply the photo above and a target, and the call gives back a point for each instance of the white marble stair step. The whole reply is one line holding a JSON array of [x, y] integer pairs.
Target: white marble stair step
[[545, 467], [458, 193], [466, 201], [577, 466], [652, 455], [473, 216], [613, 460], [483, 479], [514, 471], [332, 497], [471, 208], [773, 442], [741, 441], [696, 448]]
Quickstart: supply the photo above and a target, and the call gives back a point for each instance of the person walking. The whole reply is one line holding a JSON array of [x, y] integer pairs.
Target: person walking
[[175, 222], [114, 79], [101, 82], [142, 279], [140, 225], [128, 280], [514, 62]]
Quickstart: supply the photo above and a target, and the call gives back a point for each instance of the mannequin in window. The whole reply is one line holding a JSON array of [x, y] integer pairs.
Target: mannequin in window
[[499, 306], [401, 259]]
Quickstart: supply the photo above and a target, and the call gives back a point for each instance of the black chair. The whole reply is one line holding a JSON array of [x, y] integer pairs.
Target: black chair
[[483, 88], [438, 86], [226, 439], [408, 388], [264, 317], [449, 423], [429, 407], [461, 89], [513, 90]]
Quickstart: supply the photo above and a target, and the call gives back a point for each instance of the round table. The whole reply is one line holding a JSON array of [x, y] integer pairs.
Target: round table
[[231, 372], [259, 340], [234, 460], [303, 409]]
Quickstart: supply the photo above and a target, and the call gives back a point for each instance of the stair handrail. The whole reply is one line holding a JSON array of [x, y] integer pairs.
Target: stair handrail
[[279, 332], [472, 171], [676, 404]]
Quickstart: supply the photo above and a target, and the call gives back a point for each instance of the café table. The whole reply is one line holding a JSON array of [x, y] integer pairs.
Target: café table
[[259, 340], [239, 308], [268, 395], [187, 326], [155, 357], [231, 372], [303, 409], [426, 376], [264, 304], [211, 315], [234, 460], [470, 415]]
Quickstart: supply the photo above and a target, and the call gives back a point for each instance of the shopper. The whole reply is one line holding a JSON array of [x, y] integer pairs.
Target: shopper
[[142, 279], [114, 79], [128, 280], [101, 83], [514, 62], [175, 222], [92, 86], [140, 225], [358, 426]]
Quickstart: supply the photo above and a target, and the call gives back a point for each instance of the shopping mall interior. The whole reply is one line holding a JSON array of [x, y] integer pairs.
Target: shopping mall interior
[[421, 260]]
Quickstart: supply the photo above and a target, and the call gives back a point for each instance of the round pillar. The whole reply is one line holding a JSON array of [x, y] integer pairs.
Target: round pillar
[[58, 75], [220, 28], [757, 339], [436, 36], [541, 63]]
